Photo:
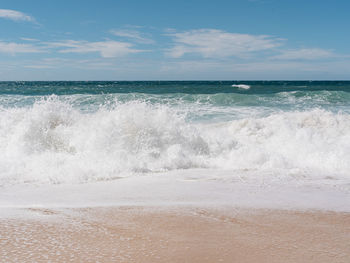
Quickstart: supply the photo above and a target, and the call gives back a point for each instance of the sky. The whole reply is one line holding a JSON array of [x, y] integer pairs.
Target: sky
[[174, 40]]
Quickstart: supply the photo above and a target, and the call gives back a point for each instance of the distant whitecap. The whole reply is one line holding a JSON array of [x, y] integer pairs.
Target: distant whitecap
[[241, 86]]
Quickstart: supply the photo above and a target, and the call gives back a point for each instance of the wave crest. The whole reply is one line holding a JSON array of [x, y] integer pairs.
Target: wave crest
[[241, 86], [53, 142]]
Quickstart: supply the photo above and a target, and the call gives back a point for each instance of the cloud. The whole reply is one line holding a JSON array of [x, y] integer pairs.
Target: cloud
[[107, 49], [214, 43], [55, 63], [15, 15], [13, 48], [133, 35], [29, 39], [304, 54]]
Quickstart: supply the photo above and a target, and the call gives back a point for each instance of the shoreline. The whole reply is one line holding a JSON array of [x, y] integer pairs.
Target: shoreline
[[175, 234], [197, 188], [177, 217]]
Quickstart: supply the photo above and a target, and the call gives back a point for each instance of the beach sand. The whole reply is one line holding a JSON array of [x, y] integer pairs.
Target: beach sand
[[174, 234]]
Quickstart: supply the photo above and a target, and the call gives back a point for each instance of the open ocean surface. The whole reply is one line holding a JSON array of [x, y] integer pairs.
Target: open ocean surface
[[78, 132]]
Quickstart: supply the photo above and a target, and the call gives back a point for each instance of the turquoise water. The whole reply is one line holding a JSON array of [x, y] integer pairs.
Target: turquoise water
[[275, 95], [166, 87], [54, 132]]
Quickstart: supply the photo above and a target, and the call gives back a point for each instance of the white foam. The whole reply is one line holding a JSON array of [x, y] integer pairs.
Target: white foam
[[179, 188], [241, 86], [51, 142]]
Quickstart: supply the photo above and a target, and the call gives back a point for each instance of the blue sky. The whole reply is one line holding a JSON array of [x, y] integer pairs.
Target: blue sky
[[174, 40]]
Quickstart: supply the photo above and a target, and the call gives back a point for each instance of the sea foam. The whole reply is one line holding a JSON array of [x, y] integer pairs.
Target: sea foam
[[51, 141], [241, 86]]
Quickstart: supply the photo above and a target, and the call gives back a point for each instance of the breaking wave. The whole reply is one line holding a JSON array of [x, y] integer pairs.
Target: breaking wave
[[51, 141], [241, 86]]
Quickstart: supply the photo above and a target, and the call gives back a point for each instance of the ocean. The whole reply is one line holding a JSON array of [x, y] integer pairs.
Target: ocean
[[77, 132]]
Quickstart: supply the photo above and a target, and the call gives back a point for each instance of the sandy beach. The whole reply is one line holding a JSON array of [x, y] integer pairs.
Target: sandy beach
[[174, 234]]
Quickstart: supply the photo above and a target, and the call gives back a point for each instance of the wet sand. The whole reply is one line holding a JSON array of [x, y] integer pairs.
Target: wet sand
[[190, 234]]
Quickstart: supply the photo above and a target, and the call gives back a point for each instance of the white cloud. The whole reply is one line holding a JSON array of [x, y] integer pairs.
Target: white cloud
[[107, 49], [55, 63], [304, 54], [13, 48], [29, 39], [213, 43], [133, 35], [15, 15]]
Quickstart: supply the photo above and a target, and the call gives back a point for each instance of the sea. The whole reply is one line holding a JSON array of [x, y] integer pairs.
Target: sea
[[74, 132]]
